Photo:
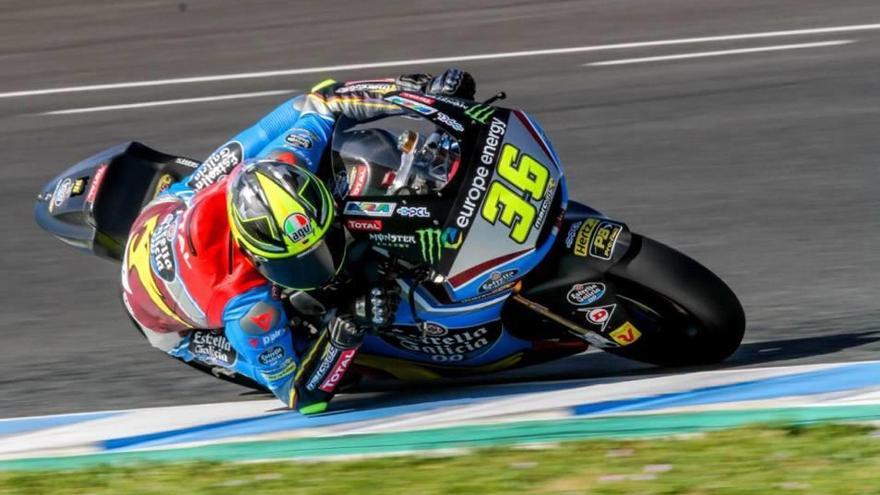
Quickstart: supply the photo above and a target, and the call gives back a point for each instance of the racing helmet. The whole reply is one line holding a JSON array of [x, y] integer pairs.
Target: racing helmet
[[281, 216]]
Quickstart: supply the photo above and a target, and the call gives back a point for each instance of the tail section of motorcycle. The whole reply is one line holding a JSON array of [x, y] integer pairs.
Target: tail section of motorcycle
[[627, 294], [92, 204]]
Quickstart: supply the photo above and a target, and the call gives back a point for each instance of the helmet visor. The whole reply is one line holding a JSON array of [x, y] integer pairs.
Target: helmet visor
[[308, 270]]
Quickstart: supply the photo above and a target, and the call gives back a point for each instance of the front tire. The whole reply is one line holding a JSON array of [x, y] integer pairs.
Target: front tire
[[696, 317]]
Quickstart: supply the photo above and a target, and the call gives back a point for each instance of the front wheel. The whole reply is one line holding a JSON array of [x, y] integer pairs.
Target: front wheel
[[696, 318]]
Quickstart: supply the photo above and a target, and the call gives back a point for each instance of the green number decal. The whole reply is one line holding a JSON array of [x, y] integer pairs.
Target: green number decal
[[528, 174], [513, 210], [510, 206]]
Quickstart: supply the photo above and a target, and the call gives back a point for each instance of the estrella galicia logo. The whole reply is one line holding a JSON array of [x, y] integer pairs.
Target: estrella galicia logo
[[497, 280], [217, 165], [162, 248], [212, 348], [441, 344], [367, 209], [271, 355], [432, 242], [585, 293]]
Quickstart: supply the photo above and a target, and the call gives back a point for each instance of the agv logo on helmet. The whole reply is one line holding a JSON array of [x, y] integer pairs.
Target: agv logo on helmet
[[297, 227]]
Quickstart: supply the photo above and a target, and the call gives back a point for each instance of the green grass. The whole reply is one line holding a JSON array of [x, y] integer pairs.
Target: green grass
[[826, 459]]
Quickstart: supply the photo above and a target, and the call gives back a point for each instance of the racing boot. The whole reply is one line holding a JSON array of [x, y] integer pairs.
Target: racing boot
[[325, 365]]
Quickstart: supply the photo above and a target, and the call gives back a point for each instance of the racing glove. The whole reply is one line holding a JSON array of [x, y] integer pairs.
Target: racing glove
[[378, 307], [452, 82]]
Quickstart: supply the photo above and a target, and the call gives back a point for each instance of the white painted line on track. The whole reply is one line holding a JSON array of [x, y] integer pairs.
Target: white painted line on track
[[720, 53], [437, 60], [163, 103]]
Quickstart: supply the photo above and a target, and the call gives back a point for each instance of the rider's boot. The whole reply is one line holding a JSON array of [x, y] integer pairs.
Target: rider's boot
[[325, 364]]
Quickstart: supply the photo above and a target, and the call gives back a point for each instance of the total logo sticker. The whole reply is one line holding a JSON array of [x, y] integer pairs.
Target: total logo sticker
[[585, 293]]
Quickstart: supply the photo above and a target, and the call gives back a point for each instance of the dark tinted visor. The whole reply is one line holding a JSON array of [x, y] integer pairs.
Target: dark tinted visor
[[309, 270]]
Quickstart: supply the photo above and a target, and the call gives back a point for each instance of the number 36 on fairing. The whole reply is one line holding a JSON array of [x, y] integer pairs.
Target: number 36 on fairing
[[512, 206]]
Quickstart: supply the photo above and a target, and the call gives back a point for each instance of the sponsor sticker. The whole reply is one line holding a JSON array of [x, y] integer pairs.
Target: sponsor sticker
[[273, 335], [582, 239], [625, 334], [259, 319], [419, 98], [320, 372], [585, 293], [338, 371], [443, 344], [162, 248], [477, 187], [412, 105], [373, 87], [572, 231], [61, 193], [393, 240], [96, 183], [480, 113], [287, 369], [363, 225], [456, 102], [432, 242], [497, 280], [297, 227], [186, 162], [271, 355], [212, 348], [446, 119], [79, 185], [367, 209], [414, 211], [600, 316], [604, 240], [217, 165], [163, 183], [301, 138], [545, 205], [357, 179]]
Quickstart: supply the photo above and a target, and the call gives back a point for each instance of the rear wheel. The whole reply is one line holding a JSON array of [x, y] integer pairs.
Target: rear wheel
[[694, 316]]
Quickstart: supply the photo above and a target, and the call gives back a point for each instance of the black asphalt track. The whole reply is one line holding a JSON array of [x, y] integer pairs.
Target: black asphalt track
[[763, 166]]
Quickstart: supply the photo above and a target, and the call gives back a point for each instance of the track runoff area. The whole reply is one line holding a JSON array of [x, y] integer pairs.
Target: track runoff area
[[471, 418], [485, 416]]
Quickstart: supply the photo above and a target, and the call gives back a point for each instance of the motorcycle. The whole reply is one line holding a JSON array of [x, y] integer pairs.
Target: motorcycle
[[469, 200]]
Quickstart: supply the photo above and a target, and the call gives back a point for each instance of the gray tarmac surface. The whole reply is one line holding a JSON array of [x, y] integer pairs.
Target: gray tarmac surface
[[763, 166]]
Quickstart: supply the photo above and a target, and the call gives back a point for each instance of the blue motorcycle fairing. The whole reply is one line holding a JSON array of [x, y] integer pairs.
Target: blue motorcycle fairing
[[463, 335]]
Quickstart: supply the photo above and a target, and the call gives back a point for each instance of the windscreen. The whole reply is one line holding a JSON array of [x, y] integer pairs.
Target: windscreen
[[391, 156]]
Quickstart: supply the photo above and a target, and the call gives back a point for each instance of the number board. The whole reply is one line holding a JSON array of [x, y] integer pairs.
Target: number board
[[506, 200]]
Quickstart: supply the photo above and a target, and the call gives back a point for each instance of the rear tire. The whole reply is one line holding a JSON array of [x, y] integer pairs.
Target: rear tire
[[697, 317]]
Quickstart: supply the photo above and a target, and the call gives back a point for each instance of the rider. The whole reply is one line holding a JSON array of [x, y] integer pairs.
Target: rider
[[207, 261]]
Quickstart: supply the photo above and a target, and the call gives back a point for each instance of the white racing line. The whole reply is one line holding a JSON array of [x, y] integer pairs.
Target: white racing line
[[718, 53], [422, 61], [162, 103]]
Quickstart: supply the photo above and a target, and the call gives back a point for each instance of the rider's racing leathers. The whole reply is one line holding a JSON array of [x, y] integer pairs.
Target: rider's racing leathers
[[196, 296]]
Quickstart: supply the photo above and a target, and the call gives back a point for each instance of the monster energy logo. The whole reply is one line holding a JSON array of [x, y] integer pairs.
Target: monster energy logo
[[432, 242], [480, 113]]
